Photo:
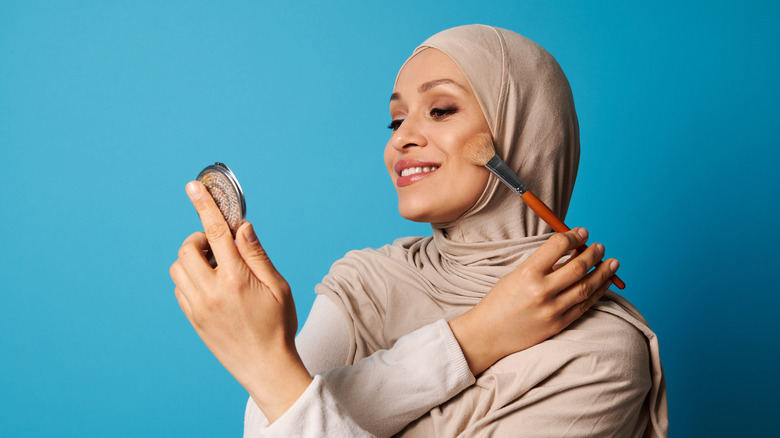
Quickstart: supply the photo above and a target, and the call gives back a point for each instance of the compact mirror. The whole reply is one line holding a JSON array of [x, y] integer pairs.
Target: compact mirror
[[226, 191]]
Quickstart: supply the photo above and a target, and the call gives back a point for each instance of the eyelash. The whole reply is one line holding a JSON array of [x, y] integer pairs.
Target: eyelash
[[436, 113], [395, 124]]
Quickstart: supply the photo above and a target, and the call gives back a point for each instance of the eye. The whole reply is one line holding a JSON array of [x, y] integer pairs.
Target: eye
[[438, 113], [395, 124]]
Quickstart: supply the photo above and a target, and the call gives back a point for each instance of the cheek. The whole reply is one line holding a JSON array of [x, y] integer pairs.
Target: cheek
[[475, 180]]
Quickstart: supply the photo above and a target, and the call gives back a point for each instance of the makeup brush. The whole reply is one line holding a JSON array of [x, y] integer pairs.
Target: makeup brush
[[481, 152]]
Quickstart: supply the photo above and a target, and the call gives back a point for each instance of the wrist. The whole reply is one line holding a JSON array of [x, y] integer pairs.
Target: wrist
[[278, 384], [476, 341]]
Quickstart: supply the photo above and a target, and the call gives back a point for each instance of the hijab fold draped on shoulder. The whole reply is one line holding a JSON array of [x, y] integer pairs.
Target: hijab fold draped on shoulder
[[393, 290]]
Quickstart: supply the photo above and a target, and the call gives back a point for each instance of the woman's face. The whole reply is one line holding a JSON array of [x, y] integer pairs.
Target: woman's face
[[434, 114]]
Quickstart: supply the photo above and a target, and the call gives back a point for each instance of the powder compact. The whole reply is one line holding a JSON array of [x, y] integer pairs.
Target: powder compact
[[223, 186]]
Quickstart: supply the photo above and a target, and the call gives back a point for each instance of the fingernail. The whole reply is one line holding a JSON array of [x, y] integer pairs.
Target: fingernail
[[249, 234], [614, 265], [599, 247], [582, 232], [192, 189]]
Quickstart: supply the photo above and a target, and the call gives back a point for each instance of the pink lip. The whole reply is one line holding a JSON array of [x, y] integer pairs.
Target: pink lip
[[409, 179]]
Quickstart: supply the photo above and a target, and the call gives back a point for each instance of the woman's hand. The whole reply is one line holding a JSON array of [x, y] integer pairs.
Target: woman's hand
[[243, 309], [535, 301]]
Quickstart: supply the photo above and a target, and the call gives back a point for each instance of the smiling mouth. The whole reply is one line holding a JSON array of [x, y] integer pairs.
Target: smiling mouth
[[415, 170]]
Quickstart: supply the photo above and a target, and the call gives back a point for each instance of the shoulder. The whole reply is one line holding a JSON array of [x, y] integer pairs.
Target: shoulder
[[368, 261], [361, 284], [599, 347], [362, 276], [592, 379], [610, 343], [601, 364]]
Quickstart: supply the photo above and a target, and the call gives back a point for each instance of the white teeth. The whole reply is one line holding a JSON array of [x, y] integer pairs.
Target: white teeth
[[414, 170]]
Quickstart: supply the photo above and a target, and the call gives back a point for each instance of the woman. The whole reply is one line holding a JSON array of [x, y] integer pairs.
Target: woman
[[384, 310]]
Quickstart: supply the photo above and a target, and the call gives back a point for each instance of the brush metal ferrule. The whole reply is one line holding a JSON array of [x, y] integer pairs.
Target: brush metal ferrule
[[506, 175]]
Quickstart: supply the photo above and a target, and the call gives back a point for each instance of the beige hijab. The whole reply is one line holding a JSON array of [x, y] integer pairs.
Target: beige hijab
[[606, 361]]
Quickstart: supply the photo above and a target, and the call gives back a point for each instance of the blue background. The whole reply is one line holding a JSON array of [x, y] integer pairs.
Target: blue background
[[107, 109]]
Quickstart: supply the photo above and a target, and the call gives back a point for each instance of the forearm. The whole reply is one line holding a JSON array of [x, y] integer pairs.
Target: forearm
[[391, 388], [281, 382], [382, 393], [322, 344], [474, 340]]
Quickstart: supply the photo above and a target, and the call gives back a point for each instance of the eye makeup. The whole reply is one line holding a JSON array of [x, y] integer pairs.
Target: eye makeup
[[443, 111]]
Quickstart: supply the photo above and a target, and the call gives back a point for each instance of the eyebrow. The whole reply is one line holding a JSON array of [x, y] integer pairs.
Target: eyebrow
[[436, 82], [428, 85]]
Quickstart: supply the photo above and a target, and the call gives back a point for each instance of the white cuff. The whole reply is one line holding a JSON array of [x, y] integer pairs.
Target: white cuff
[[316, 413]]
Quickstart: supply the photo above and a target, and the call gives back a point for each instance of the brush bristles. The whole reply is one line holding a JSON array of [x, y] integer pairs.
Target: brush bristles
[[479, 149]]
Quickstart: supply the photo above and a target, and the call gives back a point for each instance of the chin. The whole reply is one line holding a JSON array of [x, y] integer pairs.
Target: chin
[[421, 219], [423, 215]]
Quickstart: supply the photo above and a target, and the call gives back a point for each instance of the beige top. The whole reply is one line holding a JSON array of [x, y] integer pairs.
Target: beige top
[[600, 377]]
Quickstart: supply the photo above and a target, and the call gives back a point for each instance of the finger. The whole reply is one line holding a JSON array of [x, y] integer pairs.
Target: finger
[[184, 304], [556, 246], [577, 267], [217, 230], [202, 242], [255, 256], [192, 256], [580, 308], [199, 240], [592, 284], [565, 259], [180, 277]]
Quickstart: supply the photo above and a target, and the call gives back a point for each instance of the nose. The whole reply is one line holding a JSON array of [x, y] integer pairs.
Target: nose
[[408, 135]]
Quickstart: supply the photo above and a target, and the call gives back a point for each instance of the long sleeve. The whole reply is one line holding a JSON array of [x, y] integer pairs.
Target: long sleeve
[[601, 377], [316, 413], [380, 394]]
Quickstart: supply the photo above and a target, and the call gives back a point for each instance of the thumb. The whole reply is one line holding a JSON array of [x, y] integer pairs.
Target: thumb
[[254, 255]]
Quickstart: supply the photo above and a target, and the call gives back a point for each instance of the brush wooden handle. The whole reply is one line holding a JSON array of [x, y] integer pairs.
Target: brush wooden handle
[[548, 216]]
